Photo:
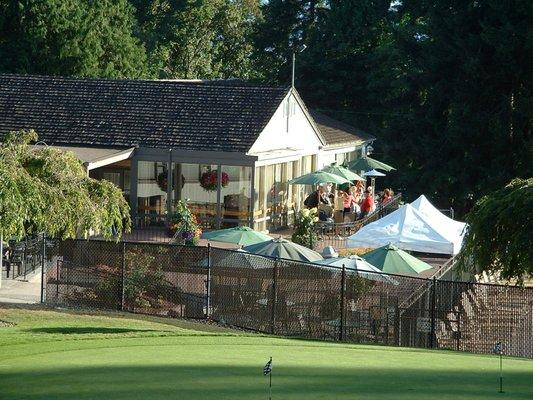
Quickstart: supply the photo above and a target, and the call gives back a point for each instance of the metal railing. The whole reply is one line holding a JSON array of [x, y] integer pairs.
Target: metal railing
[[335, 233], [23, 257]]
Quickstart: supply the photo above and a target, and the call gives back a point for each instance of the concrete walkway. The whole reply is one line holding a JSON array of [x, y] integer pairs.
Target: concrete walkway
[[20, 291]]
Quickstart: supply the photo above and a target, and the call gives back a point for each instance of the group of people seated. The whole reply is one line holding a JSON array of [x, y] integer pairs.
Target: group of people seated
[[354, 200]]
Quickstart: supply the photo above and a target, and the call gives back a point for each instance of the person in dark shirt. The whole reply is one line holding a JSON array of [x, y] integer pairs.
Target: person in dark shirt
[[319, 196]]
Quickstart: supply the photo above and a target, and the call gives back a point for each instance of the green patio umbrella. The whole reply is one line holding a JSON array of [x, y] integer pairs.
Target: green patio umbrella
[[241, 235], [362, 267], [390, 259], [341, 171], [315, 178], [283, 248], [367, 163]]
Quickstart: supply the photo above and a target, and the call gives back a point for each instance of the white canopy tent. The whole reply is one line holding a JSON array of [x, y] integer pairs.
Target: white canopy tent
[[408, 229], [452, 229]]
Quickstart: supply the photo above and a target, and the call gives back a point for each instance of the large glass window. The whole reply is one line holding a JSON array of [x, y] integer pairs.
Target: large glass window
[[235, 195], [151, 192], [197, 183]]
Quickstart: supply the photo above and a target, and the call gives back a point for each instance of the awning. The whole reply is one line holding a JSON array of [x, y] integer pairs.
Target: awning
[[93, 158]]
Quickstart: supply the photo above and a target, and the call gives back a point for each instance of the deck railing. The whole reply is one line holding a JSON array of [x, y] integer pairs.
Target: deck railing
[[335, 233]]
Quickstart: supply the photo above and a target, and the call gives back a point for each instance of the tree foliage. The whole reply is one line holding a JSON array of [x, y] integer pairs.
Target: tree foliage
[[500, 232], [70, 37], [444, 85], [48, 190], [192, 39]]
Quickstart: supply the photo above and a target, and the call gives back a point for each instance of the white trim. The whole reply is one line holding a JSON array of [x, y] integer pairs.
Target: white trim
[[279, 160], [107, 160]]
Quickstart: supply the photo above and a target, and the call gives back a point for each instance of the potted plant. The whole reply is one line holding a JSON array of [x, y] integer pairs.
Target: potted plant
[[183, 225], [304, 232]]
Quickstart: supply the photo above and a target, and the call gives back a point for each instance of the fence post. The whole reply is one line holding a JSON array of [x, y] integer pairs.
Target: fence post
[[208, 284], [123, 278], [343, 295], [274, 297], [433, 312], [57, 280], [458, 334], [43, 265]]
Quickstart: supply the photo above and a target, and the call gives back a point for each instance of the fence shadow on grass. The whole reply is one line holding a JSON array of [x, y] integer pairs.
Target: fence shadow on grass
[[74, 330]]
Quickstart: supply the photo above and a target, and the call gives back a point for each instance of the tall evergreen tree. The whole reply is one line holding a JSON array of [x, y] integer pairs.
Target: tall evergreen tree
[[285, 26], [468, 129], [445, 85], [70, 37], [198, 38]]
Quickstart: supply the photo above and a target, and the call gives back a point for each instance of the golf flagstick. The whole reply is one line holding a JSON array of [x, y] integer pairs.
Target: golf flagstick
[[267, 370], [270, 386]]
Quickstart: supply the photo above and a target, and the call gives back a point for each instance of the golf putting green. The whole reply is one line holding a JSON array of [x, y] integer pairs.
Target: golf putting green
[[66, 355]]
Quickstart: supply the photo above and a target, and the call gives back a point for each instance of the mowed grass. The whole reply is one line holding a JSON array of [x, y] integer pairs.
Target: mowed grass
[[66, 355]]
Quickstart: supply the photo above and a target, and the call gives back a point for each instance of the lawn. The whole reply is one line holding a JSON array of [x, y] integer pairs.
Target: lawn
[[66, 355]]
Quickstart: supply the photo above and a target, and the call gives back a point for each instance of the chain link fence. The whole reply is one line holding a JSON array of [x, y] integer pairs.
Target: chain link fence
[[288, 298]]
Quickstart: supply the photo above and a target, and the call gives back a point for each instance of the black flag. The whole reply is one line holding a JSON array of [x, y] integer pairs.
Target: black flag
[[268, 367]]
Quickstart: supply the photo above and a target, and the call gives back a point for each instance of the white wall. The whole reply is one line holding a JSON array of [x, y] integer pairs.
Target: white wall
[[298, 134], [327, 157]]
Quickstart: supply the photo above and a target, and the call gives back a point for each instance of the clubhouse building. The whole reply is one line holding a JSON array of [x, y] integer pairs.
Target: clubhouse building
[[227, 147]]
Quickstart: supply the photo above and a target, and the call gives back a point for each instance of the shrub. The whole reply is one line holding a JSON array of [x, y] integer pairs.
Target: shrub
[[304, 232], [184, 225]]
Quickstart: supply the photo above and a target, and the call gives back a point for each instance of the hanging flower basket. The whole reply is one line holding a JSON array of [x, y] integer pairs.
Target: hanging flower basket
[[162, 181], [208, 180]]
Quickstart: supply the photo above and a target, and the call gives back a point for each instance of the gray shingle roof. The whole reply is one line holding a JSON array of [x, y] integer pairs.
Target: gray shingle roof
[[337, 133], [190, 115]]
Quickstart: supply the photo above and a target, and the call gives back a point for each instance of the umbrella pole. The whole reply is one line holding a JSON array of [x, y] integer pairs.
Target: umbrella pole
[[373, 184]]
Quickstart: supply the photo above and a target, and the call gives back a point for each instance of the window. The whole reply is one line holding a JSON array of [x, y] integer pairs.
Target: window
[[235, 195], [202, 198], [151, 192]]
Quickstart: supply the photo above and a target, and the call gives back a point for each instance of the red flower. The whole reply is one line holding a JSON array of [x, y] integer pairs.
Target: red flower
[[209, 180]]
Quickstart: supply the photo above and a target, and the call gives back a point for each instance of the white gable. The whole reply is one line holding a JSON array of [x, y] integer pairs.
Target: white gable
[[289, 131]]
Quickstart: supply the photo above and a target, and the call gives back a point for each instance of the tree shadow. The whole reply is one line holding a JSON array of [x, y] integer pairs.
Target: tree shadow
[[217, 381], [70, 330]]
